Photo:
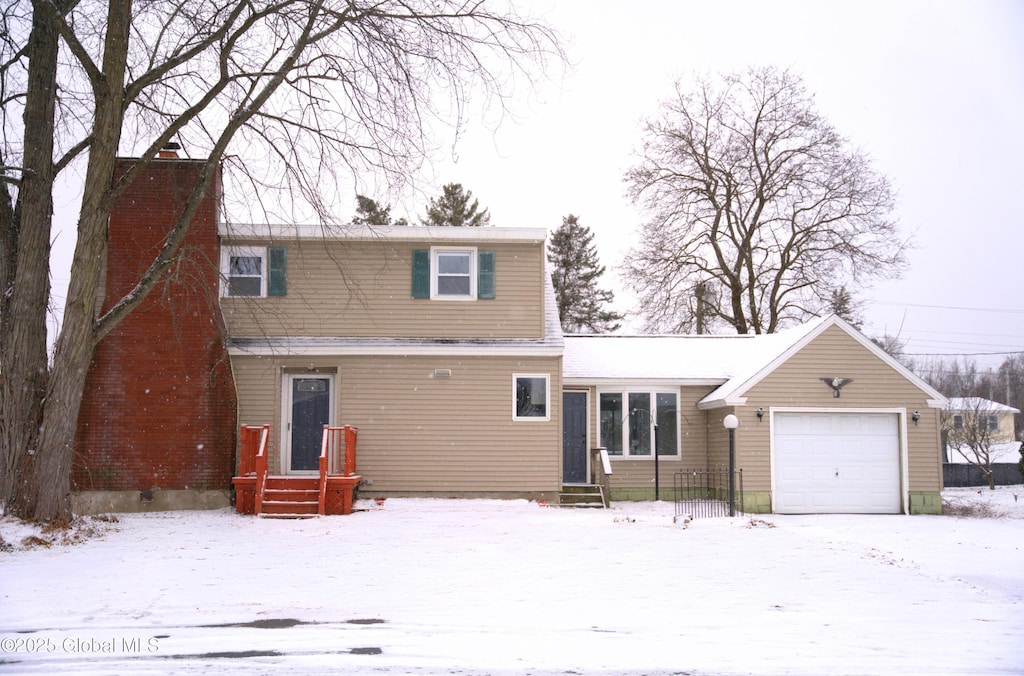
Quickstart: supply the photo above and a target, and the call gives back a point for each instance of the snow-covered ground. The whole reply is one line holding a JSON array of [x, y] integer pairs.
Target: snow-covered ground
[[1002, 452], [422, 586]]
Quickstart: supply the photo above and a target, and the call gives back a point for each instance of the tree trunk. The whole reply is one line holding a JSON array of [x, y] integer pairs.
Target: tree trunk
[[23, 359], [45, 475]]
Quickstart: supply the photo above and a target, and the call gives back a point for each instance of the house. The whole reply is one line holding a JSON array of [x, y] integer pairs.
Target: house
[[441, 349], [994, 418], [981, 432]]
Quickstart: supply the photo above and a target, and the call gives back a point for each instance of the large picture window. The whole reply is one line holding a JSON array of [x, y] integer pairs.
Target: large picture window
[[532, 399], [627, 421]]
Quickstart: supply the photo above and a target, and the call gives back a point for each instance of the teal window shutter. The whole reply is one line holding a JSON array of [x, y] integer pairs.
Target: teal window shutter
[[421, 273], [485, 275], [277, 271]]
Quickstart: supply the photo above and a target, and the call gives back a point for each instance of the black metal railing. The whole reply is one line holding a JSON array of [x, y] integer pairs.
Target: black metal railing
[[705, 493]]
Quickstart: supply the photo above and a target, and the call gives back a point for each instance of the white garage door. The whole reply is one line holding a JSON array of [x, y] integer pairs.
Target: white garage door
[[836, 463]]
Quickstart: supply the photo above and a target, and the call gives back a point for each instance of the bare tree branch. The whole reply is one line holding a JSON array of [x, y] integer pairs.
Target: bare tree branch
[[293, 98]]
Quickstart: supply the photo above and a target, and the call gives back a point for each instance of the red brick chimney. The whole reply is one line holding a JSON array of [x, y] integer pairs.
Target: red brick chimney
[[158, 418]]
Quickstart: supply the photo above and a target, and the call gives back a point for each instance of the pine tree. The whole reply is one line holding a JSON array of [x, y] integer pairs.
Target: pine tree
[[370, 212], [842, 303], [575, 272], [453, 208]]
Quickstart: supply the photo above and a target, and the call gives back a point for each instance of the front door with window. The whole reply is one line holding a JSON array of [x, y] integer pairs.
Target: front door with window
[[310, 411], [574, 437]]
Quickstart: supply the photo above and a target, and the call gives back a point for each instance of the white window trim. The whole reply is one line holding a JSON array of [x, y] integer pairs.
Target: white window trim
[[435, 269], [625, 391], [547, 397], [247, 251]]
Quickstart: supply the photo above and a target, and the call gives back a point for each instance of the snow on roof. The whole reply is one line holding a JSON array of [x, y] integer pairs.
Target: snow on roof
[[979, 404], [414, 233], [682, 359]]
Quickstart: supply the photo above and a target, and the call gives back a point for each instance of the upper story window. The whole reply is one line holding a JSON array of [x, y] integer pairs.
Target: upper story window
[[453, 273], [254, 271], [454, 276]]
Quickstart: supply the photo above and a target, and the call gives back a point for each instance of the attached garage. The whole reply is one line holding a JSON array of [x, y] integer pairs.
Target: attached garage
[[828, 421], [836, 462]]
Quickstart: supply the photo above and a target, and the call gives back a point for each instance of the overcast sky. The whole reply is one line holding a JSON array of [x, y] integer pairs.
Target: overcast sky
[[933, 91]]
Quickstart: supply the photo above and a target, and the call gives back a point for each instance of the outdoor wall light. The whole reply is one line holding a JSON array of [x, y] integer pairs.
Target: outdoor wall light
[[915, 416], [760, 413]]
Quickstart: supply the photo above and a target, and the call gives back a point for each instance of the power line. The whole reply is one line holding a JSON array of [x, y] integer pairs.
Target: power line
[[953, 333], [948, 307], [960, 354]]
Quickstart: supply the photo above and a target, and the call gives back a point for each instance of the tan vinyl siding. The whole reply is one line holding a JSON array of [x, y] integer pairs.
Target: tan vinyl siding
[[797, 383], [1006, 428], [258, 386], [344, 288], [424, 434]]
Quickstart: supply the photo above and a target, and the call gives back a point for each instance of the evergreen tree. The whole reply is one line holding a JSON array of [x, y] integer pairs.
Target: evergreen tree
[[841, 302], [575, 272], [1020, 463], [370, 212], [453, 208]]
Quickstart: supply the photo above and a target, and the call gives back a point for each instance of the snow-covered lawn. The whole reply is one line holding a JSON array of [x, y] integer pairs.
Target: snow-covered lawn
[[491, 587], [1008, 452]]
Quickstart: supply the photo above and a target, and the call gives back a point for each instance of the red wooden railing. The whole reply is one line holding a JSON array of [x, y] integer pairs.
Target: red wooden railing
[[325, 452], [250, 446], [337, 456], [261, 467]]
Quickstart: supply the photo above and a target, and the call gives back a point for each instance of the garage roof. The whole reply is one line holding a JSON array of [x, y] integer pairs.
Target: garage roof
[[734, 363]]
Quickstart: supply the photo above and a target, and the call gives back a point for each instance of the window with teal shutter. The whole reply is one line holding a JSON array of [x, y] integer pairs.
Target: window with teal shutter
[[485, 275], [277, 271], [421, 273]]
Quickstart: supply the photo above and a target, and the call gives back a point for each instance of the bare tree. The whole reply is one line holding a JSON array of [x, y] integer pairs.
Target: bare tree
[[755, 199], [292, 97], [971, 428]]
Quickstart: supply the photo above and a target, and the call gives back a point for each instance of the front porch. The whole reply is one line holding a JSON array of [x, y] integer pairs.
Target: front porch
[[330, 492]]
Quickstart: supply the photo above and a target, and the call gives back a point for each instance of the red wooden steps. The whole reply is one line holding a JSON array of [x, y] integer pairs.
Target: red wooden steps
[[288, 497]]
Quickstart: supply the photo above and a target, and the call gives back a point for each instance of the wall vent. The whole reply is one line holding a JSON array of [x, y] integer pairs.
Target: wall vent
[[442, 373]]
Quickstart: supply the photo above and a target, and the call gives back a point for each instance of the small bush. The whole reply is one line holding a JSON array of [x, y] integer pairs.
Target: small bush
[[967, 508]]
